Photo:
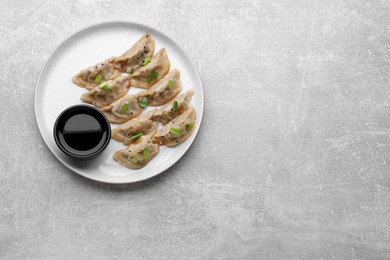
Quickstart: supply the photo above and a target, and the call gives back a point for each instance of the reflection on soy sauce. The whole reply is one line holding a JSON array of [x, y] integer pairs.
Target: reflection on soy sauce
[[82, 134]]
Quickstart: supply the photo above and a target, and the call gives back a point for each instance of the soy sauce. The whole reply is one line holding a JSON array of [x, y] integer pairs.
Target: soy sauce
[[82, 132]]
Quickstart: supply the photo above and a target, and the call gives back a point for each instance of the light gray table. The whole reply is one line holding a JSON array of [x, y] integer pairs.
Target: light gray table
[[292, 159]]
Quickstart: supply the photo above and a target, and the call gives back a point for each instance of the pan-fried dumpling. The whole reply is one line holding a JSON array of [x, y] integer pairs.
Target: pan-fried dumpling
[[112, 68], [178, 130], [166, 113], [123, 109], [164, 90], [107, 92], [155, 70], [130, 131], [139, 153], [94, 75], [133, 59]]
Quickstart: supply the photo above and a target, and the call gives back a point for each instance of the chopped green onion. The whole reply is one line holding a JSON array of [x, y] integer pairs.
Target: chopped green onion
[[98, 78], [146, 61], [174, 107], [144, 102], [125, 107], [133, 159], [189, 126], [131, 70], [170, 84], [136, 136], [152, 75], [146, 153], [104, 86], [175, 131]]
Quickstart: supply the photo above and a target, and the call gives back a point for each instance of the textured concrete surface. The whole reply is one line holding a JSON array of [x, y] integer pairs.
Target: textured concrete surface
[[292, 160]]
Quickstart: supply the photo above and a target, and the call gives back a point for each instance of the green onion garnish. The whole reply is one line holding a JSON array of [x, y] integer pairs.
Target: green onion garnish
[[104, 86], [170, 84], [146, 153], [131, 70], [189, 126], [133, 159], [125, 107], [136, 136], [144, 102], [98, 78], [174, 107], [153, 75], [175, 131], [146, 61]]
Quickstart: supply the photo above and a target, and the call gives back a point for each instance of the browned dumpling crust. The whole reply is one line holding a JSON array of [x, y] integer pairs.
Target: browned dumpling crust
[[134, 58], [107, 92], [164, 90], [167, 113], [139, 153], [123, 109], [156, 69], [89, 77], [178, 130], [112, 68], [130, 131]]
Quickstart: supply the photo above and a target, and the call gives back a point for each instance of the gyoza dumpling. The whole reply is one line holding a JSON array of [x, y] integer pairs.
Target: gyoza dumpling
[[139, 153], [112, 68], [107, 92], [178, 130], [156, 69], [164, 90], [130, 131], [94, 75], [166, 113], [123, 109], [133, 59]]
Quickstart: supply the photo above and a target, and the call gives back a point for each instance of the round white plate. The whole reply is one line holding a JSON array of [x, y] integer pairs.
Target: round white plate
[[55, 92]]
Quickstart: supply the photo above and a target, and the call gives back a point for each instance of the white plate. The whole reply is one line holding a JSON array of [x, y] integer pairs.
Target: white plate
[[55, 92]]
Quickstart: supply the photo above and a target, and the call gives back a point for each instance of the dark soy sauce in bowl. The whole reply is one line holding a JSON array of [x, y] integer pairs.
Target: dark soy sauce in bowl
[[82, 132]]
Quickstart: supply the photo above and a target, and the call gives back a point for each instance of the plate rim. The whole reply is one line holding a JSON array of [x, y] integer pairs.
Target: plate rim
[[199, 119]]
